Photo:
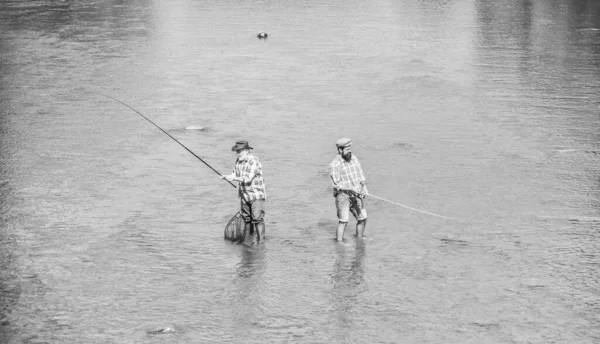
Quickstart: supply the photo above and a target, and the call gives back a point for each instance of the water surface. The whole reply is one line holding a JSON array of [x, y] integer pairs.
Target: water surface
[[485, 112]]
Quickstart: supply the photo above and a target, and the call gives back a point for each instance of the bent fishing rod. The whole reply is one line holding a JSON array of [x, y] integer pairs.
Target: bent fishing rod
[[411, 208], [169, 135], [405, 206]]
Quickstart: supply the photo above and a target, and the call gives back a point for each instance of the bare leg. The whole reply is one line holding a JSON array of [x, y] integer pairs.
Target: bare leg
[[340, 230], [360, 227]]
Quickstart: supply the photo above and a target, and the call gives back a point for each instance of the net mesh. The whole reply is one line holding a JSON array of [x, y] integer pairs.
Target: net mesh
[[234, 230]]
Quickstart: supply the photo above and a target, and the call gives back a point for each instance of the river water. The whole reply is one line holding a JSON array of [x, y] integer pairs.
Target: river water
[[486, 112]]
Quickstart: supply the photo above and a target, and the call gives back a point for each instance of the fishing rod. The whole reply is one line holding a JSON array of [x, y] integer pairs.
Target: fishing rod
[[402, 205], [415, 209], [174, 139]]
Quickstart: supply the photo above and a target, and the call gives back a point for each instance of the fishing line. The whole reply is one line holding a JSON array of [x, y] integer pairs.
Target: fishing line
[[405, 206], [169, 135]]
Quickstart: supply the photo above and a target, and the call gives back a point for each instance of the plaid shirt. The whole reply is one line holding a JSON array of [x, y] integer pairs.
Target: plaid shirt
[[347, 175], [250, 170]]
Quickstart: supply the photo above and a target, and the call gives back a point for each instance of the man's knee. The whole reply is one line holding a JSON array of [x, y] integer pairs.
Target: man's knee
[[258, 217], [343, 215]]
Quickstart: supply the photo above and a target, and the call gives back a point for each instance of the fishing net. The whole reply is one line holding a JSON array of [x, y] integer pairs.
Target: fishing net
[[234, 230]]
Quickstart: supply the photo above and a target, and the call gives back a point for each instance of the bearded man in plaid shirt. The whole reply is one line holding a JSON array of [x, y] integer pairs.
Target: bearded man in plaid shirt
[[248, 172], [349, 188]]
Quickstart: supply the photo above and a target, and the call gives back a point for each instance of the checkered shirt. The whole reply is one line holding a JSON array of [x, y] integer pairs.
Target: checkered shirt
[[252, 186], [347, 175]]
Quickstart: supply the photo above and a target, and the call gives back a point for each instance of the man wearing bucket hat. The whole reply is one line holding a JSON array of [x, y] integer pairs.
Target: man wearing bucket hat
[[248, 172], [349, 188]]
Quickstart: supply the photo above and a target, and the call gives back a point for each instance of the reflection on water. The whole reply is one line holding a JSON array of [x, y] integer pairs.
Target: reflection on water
[[248, 301], [253, 261], [348, 283]]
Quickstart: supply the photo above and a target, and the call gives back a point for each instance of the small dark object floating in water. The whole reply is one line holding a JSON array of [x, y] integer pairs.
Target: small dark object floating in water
[[163, 330], [262, 35], [453, 241]]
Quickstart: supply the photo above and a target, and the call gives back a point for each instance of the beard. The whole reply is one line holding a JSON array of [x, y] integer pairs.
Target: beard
[[347, 157]]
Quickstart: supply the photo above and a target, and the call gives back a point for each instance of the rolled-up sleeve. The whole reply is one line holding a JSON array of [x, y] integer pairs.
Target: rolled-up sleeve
[[335, 173], [361, 172]]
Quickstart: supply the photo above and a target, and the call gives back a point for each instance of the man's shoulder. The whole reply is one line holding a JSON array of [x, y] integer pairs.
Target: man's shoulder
[[253, 158], [336, 160]]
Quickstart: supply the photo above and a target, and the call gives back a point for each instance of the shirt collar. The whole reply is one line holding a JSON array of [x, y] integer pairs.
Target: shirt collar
[[248, 156]]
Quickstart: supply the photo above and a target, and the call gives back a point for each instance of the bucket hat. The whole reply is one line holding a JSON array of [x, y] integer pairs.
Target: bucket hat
[[239, 145]]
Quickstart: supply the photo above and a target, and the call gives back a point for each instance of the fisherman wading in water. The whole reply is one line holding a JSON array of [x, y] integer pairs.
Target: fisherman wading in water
[[248, 172], [349, 188]]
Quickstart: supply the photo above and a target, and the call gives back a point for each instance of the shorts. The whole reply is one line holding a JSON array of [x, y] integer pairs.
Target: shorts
[[350, 203], [253, 211]]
